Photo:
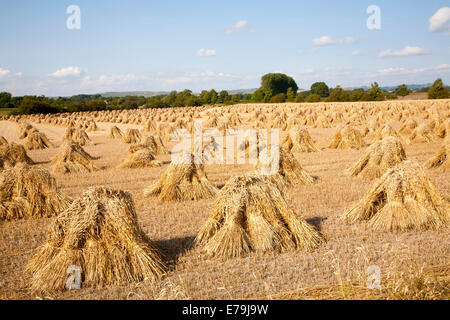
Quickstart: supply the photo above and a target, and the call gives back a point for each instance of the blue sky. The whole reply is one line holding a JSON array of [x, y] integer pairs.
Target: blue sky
[[173, 45]]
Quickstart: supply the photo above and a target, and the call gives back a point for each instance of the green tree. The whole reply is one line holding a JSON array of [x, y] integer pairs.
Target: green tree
[[375, 93], [32, 104], [321, 89], [99, 104], [402, 90], [205, 97], [267, 95], [437, 90], [5, 100], [338, 95], [278, 98], [213, 96], [191, 101], [276, 83], [223, 97], [235, 98], [258, 95], [170, 98], [299, 98], [356, 95], [290, 94], [314, 97]]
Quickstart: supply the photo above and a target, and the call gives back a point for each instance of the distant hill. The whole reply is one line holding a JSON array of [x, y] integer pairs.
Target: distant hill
[[242, 91], [389, 88], [115, 94]]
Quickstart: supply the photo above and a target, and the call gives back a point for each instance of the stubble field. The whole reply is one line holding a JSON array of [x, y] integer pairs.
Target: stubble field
[[413, 264]]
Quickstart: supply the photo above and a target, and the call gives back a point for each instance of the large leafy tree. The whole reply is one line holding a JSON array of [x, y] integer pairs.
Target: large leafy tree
[[402, 90], [275, 83], [321, 89], [437, 90]]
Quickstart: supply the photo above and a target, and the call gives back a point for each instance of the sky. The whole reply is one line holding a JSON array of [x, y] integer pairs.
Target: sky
[[175, 45]]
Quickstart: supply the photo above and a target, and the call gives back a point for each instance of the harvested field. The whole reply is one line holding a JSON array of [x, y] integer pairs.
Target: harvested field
[[335, 269]]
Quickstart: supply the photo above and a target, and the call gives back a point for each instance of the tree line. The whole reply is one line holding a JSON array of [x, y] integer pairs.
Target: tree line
[[275, 88]]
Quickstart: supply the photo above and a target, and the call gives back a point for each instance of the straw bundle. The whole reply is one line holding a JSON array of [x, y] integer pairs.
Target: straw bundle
[[441, 159], [92, 126], [149, 126], [143, 157], [289, 171], [12, 154], [251, 214], [25, 129], [29, 193], [182, 180], [77, 135], [386, 131], [115, 133], [73, 158], [132, 136], [403, 198], [347, 138], [3, 141], [37, 140], [155, 144], [423, 133], [377, 158], [299, 140], [99, 233], [443, 129], [408, 126]]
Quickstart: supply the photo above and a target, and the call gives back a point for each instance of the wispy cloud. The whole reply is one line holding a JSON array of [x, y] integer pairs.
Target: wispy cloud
[[66, 72], [206, 52], [442, 68], [328, 41], [3, 72], [439, 21], [356, 53], [406, 51], [238, 26]]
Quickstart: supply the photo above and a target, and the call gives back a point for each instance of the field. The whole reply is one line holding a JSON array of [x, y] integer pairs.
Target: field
[[413, 264], [6, 111]]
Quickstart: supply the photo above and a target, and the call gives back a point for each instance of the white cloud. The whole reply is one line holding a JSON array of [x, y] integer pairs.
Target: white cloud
[[240, 25], [442, 68], [206, 52], [328, 41], [406, 51], [439, 21], [3, 72], [356, 53], [66, 72], [388, 71]]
